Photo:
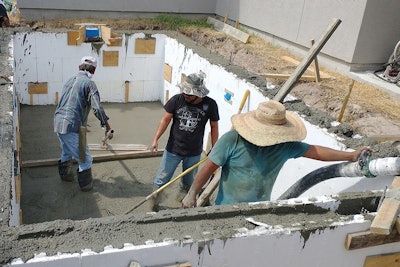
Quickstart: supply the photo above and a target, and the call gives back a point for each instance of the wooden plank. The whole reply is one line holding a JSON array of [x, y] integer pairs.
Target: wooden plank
[[167, 73], [18, 188], [346, 100], [290, 83], [105, 34], [97, 158], [387, 260], [145, 45], [37, 88], [210, 188], [286, 76], [110, 58], [316, 67], [126, 91], [229, 30], [72, 37], [387, 213], [367, 239], [180, 264], [118, 147], [386, 217], [82, 35]]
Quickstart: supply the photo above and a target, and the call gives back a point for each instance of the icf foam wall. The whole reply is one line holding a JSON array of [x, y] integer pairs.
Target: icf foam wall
[[47, 58]]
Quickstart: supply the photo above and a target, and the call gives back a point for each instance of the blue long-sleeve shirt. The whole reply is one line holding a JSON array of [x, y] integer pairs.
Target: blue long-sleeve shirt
[[79, 95]]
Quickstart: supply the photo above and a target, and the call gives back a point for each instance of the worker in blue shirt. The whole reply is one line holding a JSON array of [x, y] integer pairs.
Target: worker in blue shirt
[[252, 154]]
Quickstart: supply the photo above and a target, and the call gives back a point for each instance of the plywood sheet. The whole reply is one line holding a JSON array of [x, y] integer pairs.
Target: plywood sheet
[[73, 37], [37, 88], [390, 260], [145, 46], [110, 58], [167, 73]]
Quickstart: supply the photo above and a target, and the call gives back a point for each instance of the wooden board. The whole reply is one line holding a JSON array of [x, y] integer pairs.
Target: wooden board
[[229, 30], [72, 37], [97, 158], [37, 88], [387, 213], [118, 147], [110, 58], [210, 188], [388, 260], [167, 73], [286, 76], [145, 46], [367, 239]]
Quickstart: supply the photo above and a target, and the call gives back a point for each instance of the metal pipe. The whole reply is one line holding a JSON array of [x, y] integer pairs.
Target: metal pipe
[[376, 167]]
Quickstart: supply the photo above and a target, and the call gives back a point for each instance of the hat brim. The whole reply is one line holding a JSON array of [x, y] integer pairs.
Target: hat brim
[[269, 134], [201, 91]]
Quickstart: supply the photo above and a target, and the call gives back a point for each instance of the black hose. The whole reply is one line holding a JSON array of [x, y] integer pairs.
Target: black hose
[[313, 178]]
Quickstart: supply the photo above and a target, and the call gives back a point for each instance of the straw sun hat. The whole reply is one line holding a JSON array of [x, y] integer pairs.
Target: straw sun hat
[[194, 85], [269, 124]]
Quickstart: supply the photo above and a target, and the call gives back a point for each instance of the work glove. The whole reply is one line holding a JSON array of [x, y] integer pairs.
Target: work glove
[[189, 201]]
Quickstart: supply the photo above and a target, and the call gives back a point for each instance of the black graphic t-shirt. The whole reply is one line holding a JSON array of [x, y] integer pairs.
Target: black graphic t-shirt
[[188, 124]]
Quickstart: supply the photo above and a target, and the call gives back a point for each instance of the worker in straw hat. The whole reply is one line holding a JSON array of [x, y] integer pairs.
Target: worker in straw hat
[[189, 112], [252, 154]]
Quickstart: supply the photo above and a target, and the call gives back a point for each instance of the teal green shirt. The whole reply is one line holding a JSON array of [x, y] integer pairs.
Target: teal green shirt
[[249, 171]]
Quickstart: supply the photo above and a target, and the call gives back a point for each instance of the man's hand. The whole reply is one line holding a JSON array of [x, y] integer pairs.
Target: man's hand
[[189, 201], [154, 146]]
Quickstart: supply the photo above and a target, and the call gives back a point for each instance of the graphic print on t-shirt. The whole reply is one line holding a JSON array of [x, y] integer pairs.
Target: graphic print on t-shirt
[[189, 119]]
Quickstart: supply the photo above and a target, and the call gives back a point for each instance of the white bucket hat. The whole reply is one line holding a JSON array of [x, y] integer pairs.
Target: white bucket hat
[[269, 124], [88, 60], [194, 85]]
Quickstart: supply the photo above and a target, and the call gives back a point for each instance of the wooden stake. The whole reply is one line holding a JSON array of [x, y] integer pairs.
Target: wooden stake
[[346, 100], [317, 76], [237, 24], [289, 84], [126, 91], [226, 18]]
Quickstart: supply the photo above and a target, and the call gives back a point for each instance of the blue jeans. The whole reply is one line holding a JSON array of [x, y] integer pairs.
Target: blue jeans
[[70, 149], [168, 165]]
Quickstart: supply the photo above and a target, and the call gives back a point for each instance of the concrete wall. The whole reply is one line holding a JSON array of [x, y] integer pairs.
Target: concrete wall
[[365, 39]]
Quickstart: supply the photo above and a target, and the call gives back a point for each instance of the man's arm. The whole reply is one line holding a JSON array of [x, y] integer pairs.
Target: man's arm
[[214, 132], [329, 154], [162, 126], [201, 178]]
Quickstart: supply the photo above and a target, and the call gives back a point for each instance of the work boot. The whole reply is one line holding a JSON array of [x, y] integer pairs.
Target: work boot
[[154, 201], [85, 180], [65, 171]]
